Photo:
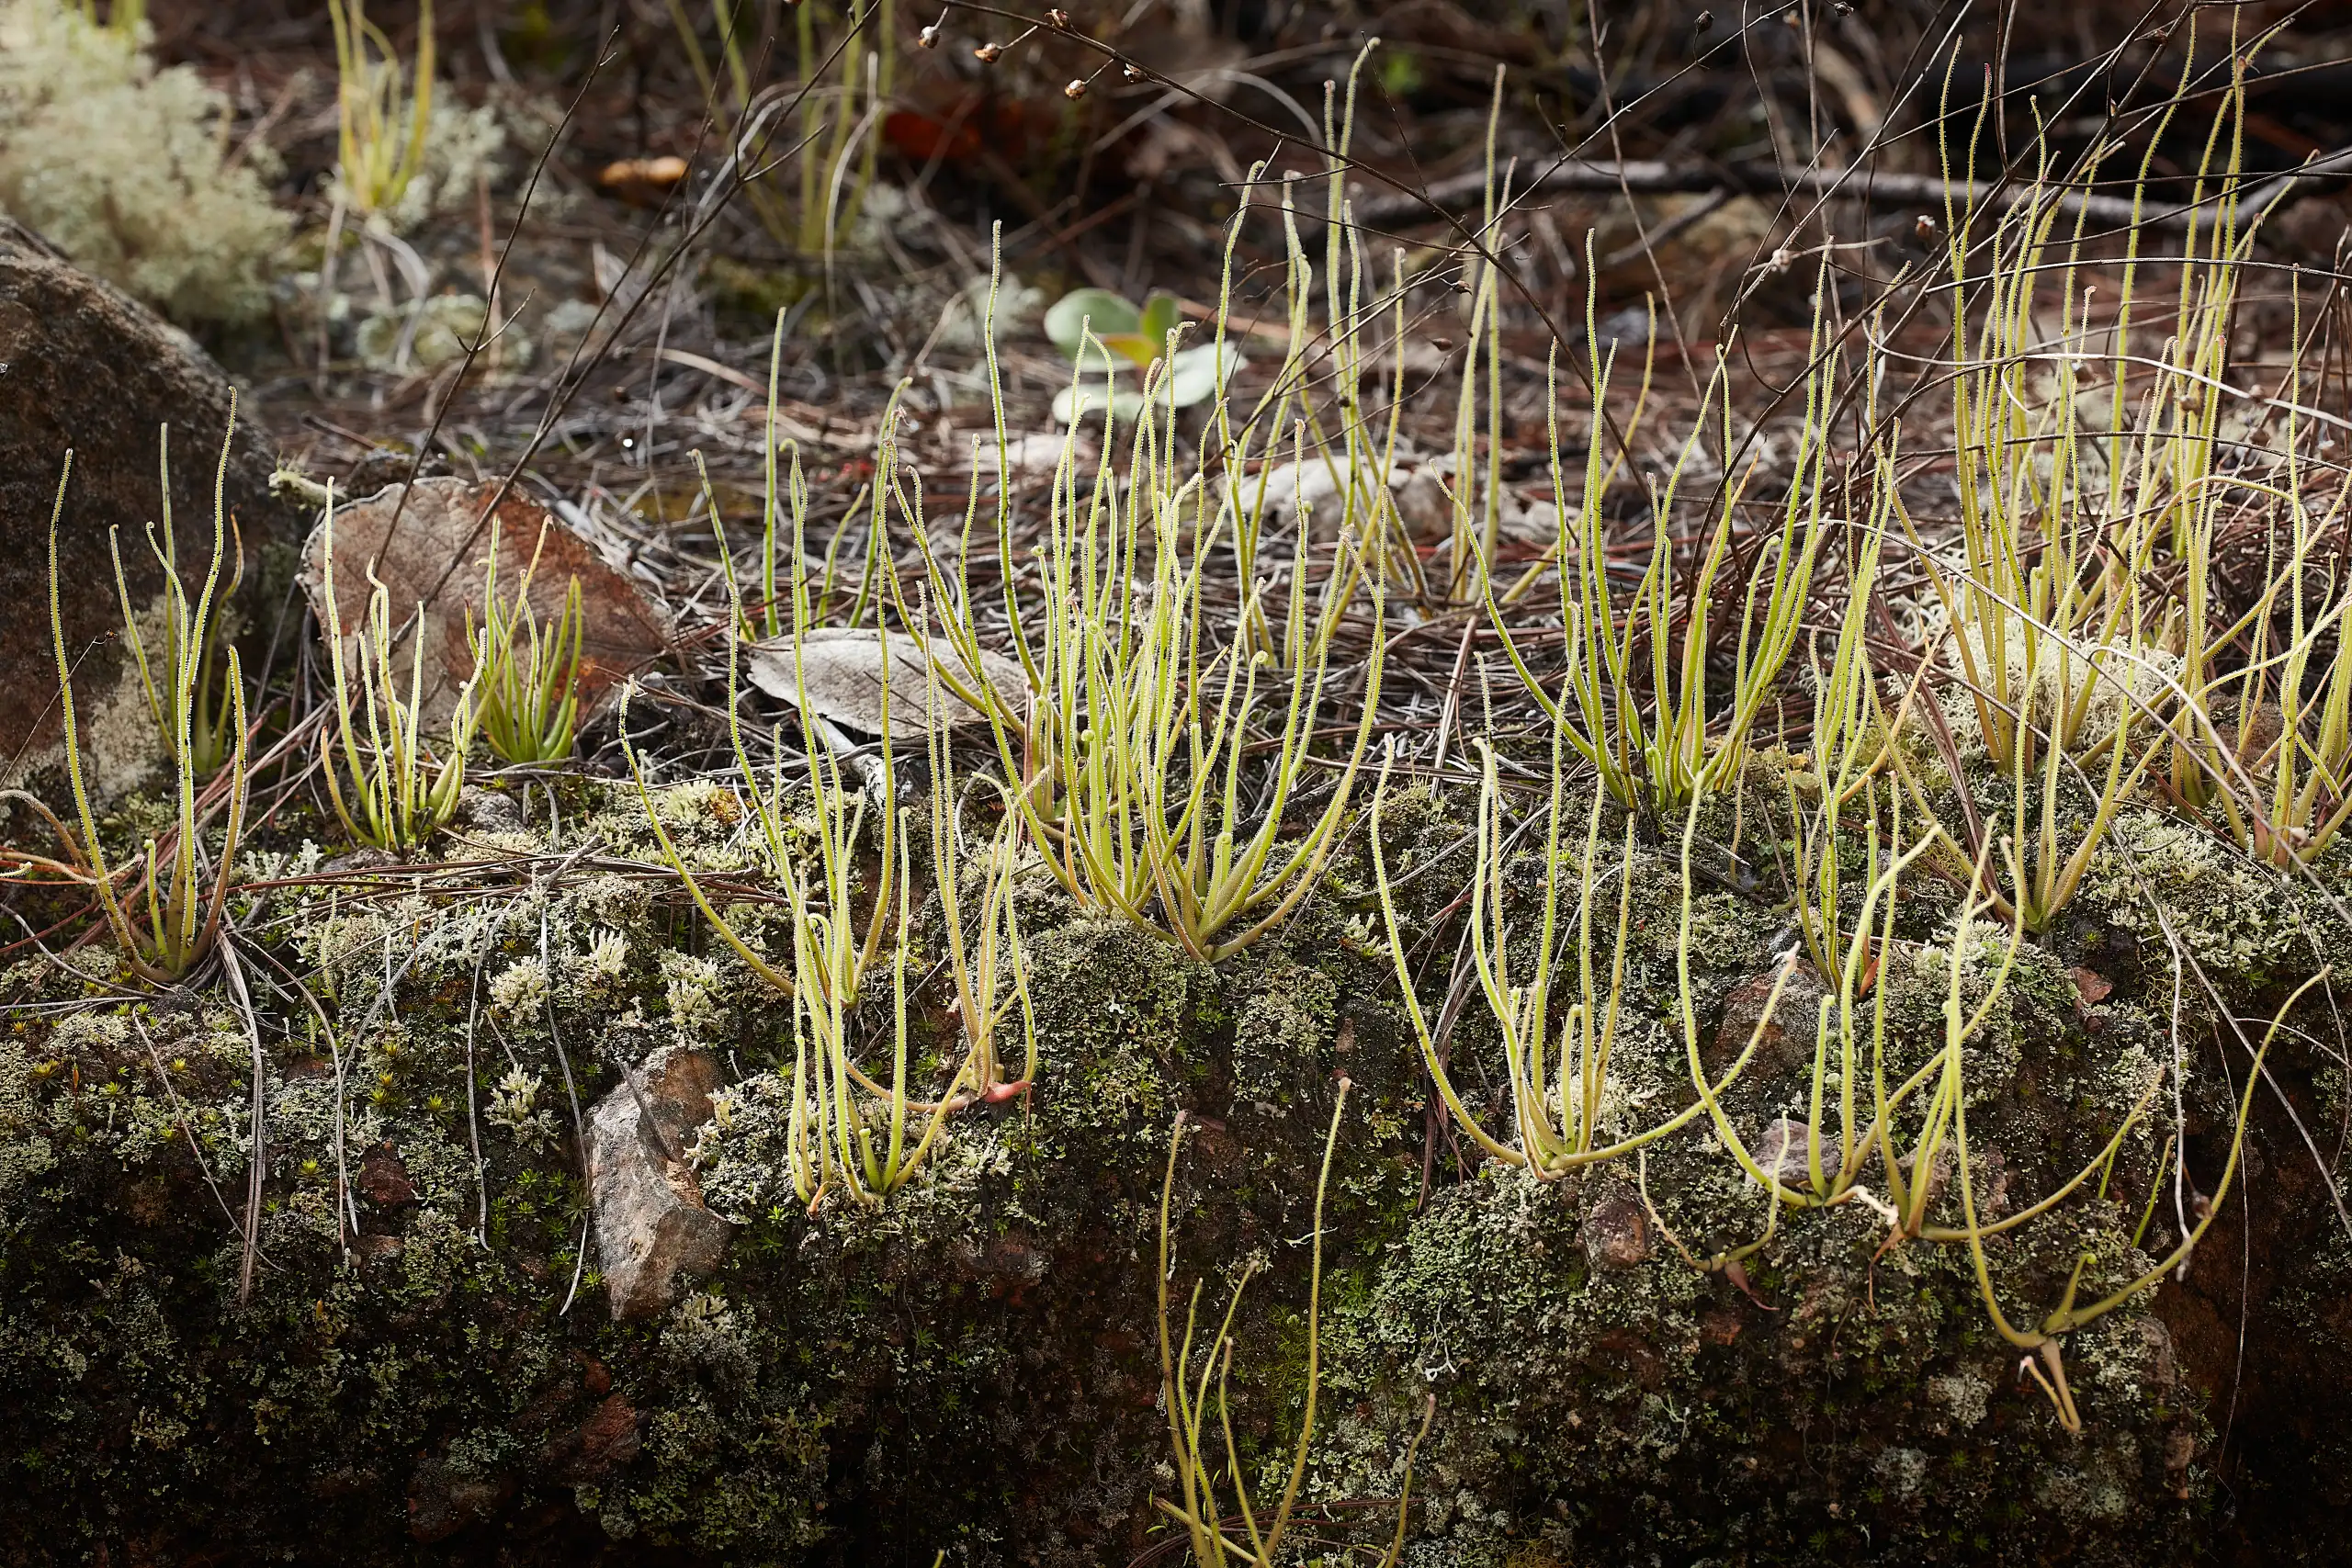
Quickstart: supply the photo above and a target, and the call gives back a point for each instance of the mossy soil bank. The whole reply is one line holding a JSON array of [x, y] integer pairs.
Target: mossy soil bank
[[424, 1367]]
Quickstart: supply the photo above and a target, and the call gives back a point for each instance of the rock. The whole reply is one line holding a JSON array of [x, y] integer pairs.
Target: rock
[[1784, 1154], [443, 1499], [383, 1180], [592, 1450], [1788, 1036], [1617, 1233], [490, 810], [84, 367], [652, 1224], [1423, 506]]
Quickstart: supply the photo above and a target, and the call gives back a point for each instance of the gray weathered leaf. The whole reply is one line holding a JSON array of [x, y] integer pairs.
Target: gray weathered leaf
[[844, 670]]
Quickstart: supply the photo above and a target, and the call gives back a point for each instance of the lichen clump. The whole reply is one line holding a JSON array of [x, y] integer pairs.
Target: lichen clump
[[122, 166]]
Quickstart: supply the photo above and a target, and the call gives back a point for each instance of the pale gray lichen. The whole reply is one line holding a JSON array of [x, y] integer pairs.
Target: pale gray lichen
[[120, 165]]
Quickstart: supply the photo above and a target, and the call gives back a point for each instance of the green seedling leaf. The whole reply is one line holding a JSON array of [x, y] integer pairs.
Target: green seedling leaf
[[1161, 313], [1071, 403], [1107, 314]]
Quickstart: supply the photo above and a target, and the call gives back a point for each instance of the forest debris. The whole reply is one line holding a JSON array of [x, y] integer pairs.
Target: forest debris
[[844, 669], [1035, 454], [641, 181], [430, 555], [804, 422]]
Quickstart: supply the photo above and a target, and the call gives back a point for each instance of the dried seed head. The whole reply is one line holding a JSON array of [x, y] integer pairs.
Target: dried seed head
[[1131, 70], [1706, 20], [1076, 90], [987, 52], [1058, 16], [1924, 226], [929, 37]]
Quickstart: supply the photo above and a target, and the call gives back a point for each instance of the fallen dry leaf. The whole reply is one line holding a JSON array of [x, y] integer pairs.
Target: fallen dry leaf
[[435, 558], [641, 180], [844, 671]]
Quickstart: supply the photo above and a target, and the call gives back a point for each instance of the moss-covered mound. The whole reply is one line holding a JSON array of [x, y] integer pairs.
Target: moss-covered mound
[[415, 1361]]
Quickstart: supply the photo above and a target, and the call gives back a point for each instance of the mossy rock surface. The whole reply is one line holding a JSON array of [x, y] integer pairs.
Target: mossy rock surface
[[972, 1365]]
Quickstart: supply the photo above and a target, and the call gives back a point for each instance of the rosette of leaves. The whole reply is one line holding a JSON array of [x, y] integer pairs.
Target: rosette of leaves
[[1116, 343]]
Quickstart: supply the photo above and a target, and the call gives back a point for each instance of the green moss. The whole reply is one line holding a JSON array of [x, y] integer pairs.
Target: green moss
[[2244, 924], [972, 1365]]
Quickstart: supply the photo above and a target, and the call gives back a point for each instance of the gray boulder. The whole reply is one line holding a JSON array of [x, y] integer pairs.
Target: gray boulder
[[86, 368]]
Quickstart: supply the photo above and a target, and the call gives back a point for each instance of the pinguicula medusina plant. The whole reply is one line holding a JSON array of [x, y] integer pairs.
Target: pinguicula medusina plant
[[1544, 1069], [169, 920], [390, 787], [527, 675]]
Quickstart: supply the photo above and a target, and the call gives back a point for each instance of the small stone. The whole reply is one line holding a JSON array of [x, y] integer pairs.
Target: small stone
[[598, 1445], [444, 1499], [2180, 1448], [383, 1178], [1788, 1037], [651, 1224], [1423, 506], [490, 810], [1624, 1349], [365, 858], [1784, 1154], [2163, 1367], [1617, 1233]]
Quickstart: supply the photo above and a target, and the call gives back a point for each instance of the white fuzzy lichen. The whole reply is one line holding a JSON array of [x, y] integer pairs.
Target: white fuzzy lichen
[[691, 987], [122, 166], [520, 991], [515, 1105]]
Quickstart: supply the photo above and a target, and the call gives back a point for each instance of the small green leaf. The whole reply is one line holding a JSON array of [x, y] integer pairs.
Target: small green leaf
[[1081, 309], [1190, 377], [1085, 399], [1161, 313]]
